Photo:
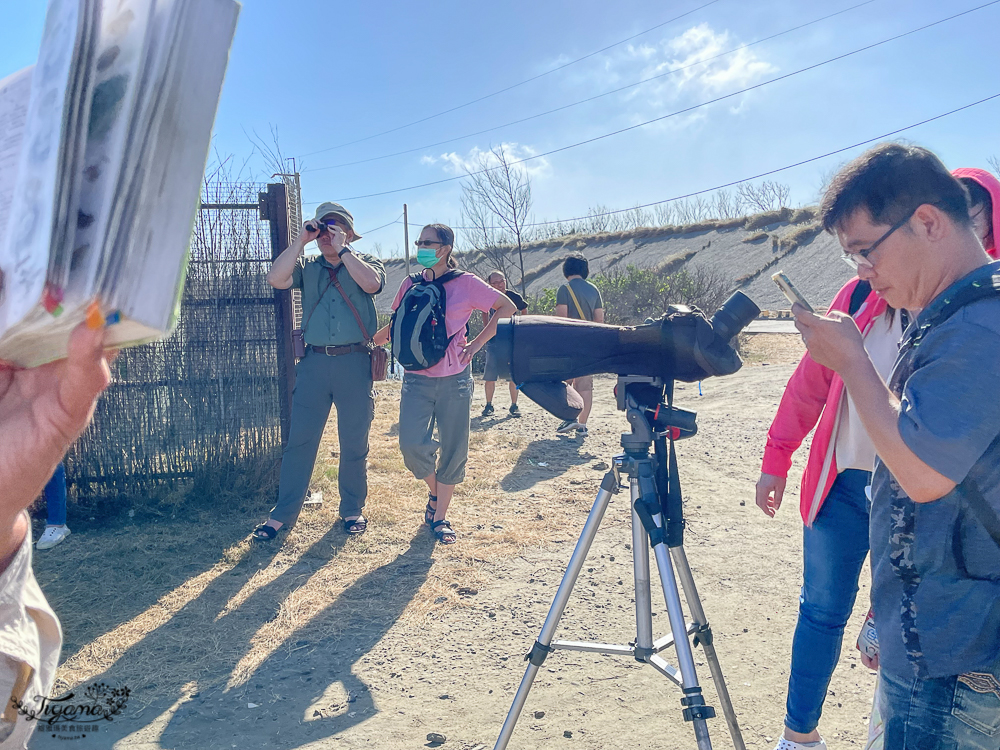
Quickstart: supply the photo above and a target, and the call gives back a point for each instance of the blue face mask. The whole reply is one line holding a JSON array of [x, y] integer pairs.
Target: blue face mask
[[427, 257]]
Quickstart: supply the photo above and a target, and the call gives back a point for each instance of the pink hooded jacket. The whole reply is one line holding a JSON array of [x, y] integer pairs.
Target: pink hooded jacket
[[992, 186], [813, 393]]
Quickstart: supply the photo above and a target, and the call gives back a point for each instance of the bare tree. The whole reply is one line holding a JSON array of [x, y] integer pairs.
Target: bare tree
[[765, 196], [994, 162], [727, 205], [496, 201]]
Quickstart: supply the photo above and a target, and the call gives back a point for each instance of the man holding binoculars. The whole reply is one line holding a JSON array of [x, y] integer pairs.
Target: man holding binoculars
[[338, 318]]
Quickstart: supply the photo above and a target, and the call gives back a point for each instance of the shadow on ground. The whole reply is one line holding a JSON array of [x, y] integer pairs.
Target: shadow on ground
[[557, 454], [203, 650], [93, 592]]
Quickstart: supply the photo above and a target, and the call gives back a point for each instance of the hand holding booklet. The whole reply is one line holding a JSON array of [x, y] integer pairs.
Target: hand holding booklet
[[103, 144]]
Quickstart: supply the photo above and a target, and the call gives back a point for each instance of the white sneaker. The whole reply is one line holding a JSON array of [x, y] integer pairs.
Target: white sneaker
[[581, 430], [784, 744], [52, 536]]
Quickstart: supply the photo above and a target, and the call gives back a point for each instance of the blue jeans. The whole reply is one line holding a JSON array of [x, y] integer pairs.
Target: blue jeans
[[940, 714], [833, 551], [55, 497]]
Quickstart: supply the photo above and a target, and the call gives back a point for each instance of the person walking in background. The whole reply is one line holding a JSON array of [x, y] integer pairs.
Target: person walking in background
[[491, 373], [338, 289], [935, 512], [441, 393], [56, 529], [833, 504], [580, 300]]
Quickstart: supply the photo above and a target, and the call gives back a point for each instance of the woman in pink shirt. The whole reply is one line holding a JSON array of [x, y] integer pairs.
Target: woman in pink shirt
[[442, 393]]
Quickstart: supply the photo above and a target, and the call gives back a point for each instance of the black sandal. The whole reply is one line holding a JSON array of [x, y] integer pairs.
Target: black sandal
[[264, 533], [443, 531], [357, 527], [429, 511]]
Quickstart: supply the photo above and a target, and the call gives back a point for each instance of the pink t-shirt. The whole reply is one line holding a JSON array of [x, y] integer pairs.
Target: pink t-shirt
[[464, 294]]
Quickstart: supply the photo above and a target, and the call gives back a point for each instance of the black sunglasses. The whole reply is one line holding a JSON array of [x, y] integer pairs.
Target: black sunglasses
[[427, 243]]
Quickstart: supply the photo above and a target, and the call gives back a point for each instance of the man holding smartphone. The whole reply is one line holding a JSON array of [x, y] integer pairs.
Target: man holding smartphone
[[903, 222], [336, 368]]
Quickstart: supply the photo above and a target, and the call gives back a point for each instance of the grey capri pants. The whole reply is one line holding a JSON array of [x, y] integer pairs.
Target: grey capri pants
[[446, 402]]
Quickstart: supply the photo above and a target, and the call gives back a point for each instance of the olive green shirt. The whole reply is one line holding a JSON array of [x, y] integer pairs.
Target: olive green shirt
[[332, 323]]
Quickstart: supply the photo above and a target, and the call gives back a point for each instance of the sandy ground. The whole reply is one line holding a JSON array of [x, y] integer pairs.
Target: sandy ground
[[373, 669]]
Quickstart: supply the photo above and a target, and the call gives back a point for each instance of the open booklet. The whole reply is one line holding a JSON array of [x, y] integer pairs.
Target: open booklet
[[103, 145]]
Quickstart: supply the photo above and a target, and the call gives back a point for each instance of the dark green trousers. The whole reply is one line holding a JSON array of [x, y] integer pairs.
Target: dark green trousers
[[344, 381]]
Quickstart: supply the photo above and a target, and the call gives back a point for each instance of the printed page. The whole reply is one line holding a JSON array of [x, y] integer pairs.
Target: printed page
[[15, 92], [24, 254], [150, 279], [164, 33], [75, 124], [121, 49]]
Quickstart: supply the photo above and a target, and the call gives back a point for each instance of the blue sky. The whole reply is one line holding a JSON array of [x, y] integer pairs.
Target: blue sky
[[326, 74]]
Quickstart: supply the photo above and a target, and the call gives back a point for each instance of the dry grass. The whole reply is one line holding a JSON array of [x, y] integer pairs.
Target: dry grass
[[756, 237], [801, 235], [244, 602]]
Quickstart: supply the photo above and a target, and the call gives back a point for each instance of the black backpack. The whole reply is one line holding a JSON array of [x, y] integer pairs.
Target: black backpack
[[417, 329]]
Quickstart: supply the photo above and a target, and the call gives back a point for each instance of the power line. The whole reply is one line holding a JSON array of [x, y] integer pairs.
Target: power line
[[674, 114], [592, 98], [389, 224], [768, 173], [513, 86]]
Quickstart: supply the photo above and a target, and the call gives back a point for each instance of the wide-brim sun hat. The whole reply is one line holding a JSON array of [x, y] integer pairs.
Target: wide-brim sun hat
[[325, 209]]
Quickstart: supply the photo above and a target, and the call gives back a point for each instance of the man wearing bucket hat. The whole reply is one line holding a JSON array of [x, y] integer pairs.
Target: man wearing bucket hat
[[336, 368]]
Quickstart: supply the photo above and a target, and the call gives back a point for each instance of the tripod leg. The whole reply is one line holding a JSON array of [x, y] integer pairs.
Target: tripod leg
[[704, 637], [643, 597], [540, 649], [696, 709]]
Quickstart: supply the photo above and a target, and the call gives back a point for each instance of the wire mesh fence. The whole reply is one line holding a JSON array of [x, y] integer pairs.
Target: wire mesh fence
[[200, 411]]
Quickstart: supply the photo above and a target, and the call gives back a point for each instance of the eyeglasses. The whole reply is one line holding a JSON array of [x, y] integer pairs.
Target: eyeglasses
[[860, 258], [427, 243]]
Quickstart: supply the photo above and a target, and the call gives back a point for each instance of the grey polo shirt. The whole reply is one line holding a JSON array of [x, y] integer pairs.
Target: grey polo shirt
[[935, 569], [331, 322], [588, 295]]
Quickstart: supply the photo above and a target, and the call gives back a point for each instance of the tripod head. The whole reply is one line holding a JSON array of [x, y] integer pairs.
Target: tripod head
[[650, 417]]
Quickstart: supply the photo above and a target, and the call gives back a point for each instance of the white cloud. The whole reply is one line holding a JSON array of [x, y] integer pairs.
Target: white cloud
[[457, 164], [697, 76]]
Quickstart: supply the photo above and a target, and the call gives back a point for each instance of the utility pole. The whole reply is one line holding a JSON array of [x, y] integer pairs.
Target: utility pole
[[406, 240]]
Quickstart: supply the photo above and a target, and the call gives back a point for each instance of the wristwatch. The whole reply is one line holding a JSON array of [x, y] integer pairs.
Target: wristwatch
[[344, 249]]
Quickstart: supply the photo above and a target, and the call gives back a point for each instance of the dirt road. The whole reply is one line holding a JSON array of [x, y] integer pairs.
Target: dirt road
[[407, 649]]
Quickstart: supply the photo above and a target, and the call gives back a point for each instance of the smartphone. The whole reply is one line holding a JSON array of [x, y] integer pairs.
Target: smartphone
[[793, 294]]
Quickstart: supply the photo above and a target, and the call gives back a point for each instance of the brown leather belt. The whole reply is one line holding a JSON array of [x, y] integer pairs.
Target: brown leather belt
[[333, 351]]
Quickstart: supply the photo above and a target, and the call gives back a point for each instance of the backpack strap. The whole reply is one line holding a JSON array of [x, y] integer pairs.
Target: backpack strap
[[980, 286], [569, 288], [983, 510], [858, 297]]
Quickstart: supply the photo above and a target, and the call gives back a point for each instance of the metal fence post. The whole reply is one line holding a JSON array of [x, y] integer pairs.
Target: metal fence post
[[274, 209]]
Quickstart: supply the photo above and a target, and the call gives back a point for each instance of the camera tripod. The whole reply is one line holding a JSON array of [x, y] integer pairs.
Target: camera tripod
[[657, 519]]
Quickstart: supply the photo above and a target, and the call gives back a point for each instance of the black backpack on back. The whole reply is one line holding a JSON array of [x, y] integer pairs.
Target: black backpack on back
[[417, 329]]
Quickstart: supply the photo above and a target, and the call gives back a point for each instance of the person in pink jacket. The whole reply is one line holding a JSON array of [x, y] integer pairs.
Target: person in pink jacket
[[833, 505]]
